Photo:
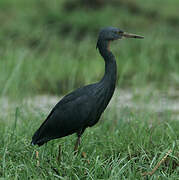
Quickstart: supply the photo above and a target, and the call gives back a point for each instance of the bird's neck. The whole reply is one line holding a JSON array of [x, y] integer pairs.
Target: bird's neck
[[110, 64], [108, 82]]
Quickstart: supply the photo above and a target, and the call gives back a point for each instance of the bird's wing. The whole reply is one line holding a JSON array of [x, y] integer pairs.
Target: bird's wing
[[73, 96], [67, 117]]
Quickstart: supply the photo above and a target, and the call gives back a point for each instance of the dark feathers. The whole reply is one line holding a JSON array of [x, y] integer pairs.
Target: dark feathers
[[83, 107]]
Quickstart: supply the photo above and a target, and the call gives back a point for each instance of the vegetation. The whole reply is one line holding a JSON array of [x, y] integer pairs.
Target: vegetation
[[42, 40], [123, 145], [48, 47]]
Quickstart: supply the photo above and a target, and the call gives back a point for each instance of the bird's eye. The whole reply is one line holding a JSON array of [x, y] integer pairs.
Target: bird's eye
[[120, 32]]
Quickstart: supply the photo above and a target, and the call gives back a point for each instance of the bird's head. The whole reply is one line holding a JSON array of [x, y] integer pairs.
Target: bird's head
[[109, 34]]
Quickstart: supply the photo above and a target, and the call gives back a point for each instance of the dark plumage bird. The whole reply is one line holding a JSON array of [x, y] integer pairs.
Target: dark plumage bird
[[83, 107]]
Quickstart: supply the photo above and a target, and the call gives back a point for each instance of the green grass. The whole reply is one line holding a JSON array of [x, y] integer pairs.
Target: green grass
[[122, 146], [49, 49], [65, 66]]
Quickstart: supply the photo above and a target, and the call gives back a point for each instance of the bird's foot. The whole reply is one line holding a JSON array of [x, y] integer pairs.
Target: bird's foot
[[83, 154], [37, 158], [59, 153], [76, 145]]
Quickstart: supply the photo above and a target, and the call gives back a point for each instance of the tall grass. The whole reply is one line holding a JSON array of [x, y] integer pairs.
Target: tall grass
[[48, 48], [123, 146], [66, 64]]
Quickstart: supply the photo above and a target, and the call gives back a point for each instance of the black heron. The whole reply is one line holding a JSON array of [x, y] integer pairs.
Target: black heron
[[83, 107]]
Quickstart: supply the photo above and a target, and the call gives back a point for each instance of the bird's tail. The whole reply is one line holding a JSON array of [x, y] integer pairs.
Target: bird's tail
[[37, 140]]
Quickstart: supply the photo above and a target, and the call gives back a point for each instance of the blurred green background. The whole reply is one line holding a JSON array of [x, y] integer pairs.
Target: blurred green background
[[48, 47]]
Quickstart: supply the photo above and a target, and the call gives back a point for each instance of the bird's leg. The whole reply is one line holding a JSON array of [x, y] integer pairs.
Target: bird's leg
[[79, 133], [77, 144], [59, 153]]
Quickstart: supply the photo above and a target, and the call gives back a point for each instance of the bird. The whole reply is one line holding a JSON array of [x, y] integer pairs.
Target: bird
[[83, 107]]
